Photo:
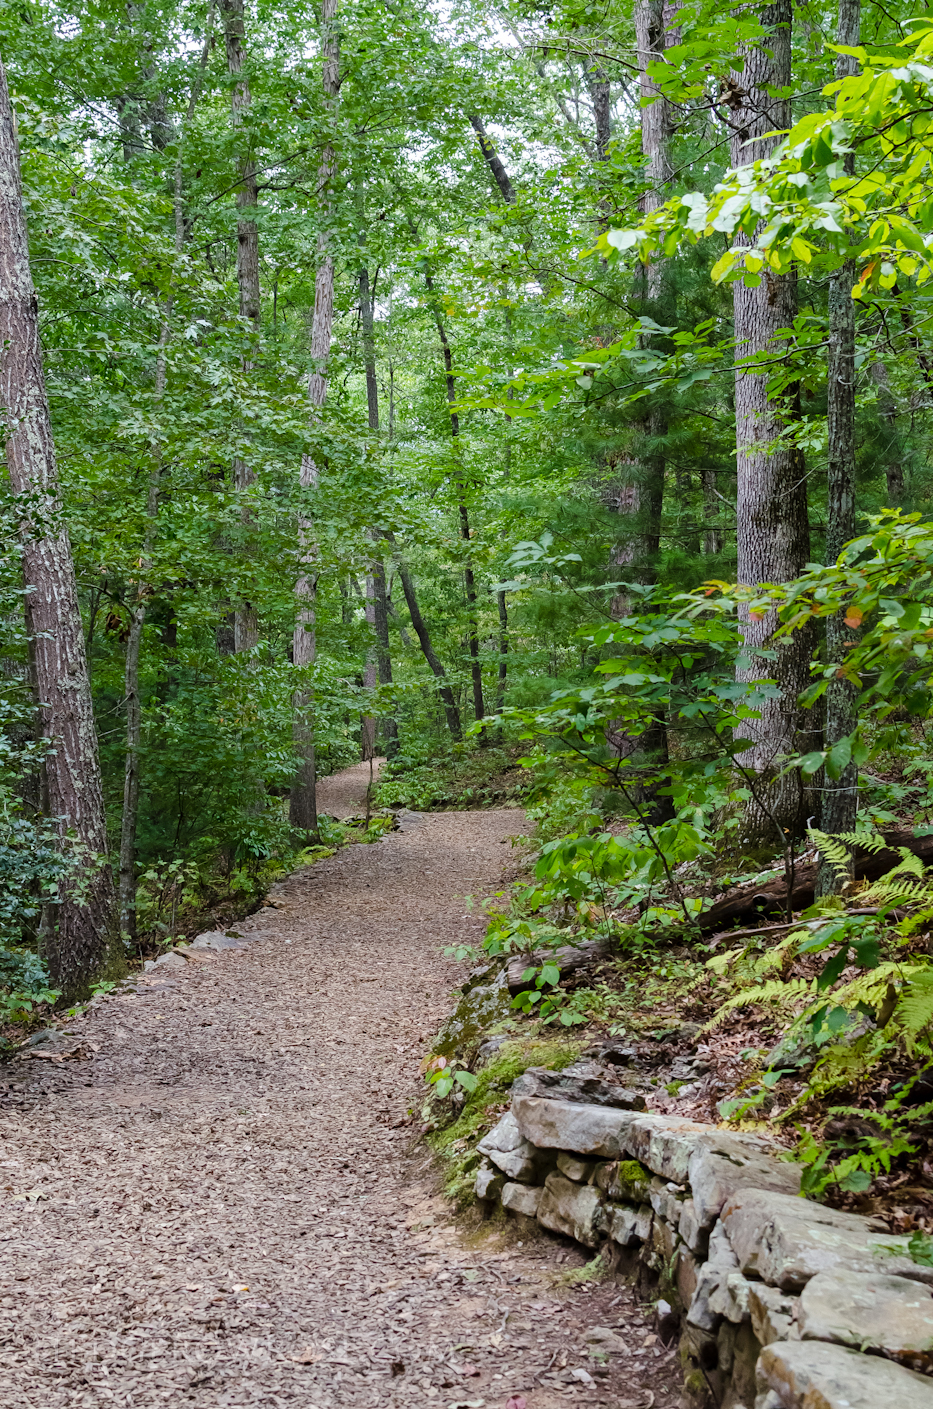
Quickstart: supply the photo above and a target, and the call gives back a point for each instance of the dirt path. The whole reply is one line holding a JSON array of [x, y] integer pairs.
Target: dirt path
[[218, 1206], [343, 794]]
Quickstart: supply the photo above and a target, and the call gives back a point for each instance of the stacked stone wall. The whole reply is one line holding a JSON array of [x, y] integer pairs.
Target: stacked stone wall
[[781, 1303]]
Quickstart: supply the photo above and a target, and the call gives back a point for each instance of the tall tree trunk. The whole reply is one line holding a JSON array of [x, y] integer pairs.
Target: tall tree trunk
[[78, 940], [380, 615], [637, 494], [840, 796], [469, 578], [712, 534], [424, 640], [773, 536], [245, 622], [503, 651], [132, 768], [303, 800]]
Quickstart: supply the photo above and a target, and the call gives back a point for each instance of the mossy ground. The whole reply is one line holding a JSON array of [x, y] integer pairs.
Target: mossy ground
[[456, 1143]]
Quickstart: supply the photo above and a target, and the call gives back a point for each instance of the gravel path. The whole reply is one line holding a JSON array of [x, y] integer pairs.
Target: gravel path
[[218, 1199]]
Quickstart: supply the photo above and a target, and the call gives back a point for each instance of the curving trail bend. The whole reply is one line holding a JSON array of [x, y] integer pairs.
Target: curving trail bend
[[214, 1201]]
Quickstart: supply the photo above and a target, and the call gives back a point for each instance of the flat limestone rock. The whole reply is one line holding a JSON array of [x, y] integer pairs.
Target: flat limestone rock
[[623, 1220], [772, 1312], [785, 1241], [583, 1082], [814, 1375], [720, 1164], [521, 1198], [873, 1311], [578, 1169], [564, 1125], [489, 1182], [603, 1339], [664, 1144], [511, 1152], [573, 1209], [712, 1275]]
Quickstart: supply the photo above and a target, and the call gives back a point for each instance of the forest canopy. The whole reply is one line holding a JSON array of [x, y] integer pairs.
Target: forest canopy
[[449, 385]]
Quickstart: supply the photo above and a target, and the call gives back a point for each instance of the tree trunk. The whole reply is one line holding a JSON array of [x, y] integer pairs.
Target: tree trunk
[[712, 534], [773, 536], [887, 410], [503, 652], [636, 492], [53, 619], [131, 776], [380, 616], [493, 160], [245, 622], [840, 796], [476, 669], [303, 800], [430, 655]]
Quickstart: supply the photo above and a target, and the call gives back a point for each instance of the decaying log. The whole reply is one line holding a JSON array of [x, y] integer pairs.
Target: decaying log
[[569, 959], [770, 901]]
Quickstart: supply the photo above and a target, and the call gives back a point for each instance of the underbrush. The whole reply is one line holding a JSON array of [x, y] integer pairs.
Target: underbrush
[[818, 1030], [467, 777]]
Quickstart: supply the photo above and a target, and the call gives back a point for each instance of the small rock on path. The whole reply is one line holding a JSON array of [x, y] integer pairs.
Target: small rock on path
[[213, 1201]]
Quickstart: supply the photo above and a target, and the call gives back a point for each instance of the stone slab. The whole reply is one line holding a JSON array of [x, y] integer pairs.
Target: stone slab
[[489, 1182], [815, 1375], [622, 1222], [872, 1311], [565, 1125], [772, 1312], [511, 1152], [573, 1209], [580, 1170], [664, 1144], [721, 1164], [521, 1198], [785, 1241]]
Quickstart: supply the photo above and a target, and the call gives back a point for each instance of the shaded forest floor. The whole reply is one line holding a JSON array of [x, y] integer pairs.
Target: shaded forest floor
[[213, 1193]]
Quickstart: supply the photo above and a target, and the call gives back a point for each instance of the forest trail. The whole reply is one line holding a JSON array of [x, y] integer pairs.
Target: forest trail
[[213, 1201]]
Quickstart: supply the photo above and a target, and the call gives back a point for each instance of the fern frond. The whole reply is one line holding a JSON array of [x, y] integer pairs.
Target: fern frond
[[871, 986], [915, 1009], [872, 842], [833, 850], [774, 991], [901, 889]]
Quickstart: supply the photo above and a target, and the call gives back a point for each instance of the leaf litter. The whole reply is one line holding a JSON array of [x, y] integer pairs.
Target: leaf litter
[[217, 1188]]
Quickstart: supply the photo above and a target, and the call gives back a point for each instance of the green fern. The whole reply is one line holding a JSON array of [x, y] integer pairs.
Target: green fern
[[915, 1009], [774, 991], [834, 850]]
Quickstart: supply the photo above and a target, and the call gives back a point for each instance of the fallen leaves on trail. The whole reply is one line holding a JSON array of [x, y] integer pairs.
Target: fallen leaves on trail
[[307, 1357], [202, 1153]]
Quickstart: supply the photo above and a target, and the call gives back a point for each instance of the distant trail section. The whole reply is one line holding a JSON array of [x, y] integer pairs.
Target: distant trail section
[[343, 794], [217, 1199]]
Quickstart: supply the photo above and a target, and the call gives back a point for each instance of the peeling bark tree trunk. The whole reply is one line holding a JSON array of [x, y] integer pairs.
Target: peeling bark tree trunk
[[78, 940], [245, 622], [303, 800], [773, 537], [840, 796]]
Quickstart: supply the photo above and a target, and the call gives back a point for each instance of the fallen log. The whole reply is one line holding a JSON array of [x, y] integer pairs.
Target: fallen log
[[570, 959], [766, 902]]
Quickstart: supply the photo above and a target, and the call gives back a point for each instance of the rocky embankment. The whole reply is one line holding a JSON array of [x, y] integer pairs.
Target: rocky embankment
[[779, 1303]]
